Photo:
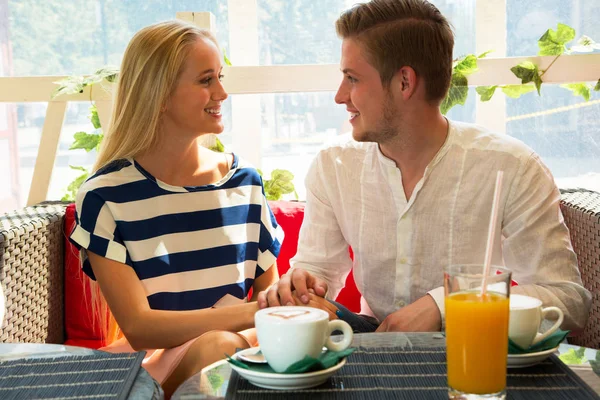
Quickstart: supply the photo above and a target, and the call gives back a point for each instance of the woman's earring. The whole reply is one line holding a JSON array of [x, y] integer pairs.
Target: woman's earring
[[163, 109]]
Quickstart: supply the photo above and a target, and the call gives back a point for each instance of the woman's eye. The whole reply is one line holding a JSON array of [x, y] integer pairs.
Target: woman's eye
[[221, 77], [351, 79], [206, 81]]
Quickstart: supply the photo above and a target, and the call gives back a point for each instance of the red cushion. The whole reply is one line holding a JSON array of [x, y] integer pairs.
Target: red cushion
[[78, 312], [290, 215]]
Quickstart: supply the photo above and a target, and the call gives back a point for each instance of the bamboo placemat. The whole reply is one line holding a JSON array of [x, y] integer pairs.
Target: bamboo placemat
[[418, 373], [95, 376]]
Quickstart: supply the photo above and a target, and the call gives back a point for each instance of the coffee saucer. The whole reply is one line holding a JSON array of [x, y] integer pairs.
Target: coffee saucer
[[284, 381], [529, 359]]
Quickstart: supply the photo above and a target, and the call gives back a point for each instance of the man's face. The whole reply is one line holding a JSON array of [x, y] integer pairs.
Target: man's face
[[373, 112]]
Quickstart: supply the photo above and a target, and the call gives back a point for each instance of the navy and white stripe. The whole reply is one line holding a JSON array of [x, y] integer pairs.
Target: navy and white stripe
[[190, 246]]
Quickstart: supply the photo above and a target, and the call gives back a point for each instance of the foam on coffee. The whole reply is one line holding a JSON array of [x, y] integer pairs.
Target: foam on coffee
[[294, 314]]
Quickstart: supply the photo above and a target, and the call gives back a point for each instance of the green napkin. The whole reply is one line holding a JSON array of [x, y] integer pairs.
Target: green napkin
[[549, 343], [308, 364]]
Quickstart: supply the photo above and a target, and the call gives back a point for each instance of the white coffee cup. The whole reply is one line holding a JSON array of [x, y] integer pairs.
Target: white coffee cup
[[526, 316], [288, 334]]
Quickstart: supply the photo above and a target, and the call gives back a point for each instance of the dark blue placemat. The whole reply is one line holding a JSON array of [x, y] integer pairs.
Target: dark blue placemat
[[95, 376], [418, 373]]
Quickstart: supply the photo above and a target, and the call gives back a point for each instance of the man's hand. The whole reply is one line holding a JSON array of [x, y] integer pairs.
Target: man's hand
[[280, 293], [421, 316]]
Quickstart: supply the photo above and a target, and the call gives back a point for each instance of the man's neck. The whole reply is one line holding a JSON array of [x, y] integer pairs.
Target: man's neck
[[418, 142]]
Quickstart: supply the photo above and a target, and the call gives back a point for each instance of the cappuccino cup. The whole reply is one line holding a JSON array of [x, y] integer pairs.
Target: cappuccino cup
[[526, 316], [288, 334]]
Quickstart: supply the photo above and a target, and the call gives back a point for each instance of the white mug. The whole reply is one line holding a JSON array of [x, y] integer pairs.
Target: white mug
[[288, 334], [526, 316]]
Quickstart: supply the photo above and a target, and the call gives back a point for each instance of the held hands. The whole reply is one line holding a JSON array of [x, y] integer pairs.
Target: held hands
[[421, 316], [300, 288], [280, 293]]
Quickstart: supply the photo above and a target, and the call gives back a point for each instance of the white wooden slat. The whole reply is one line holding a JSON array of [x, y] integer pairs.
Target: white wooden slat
[[104, 113], [44, 163], [40, 88], [567, 69], [314, 78], [490, 33], [245, 110], [204, 20]]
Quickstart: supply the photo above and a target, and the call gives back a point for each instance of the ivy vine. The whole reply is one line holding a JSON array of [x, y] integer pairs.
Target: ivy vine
[[280, 183], [551, 43]]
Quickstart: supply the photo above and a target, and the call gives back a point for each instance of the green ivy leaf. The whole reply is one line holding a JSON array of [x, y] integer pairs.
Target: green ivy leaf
[[218, 147], [596, 363], [484, 54], [526, 71], [259, 172], [597, 87], [78, 168], [226, 59], [537, 81], [574, 357], [94, 117], [579, 89], [516, 91], [281, 175], [74, 186], [70, 85], [486, 92], [86, 141], [279, 184], [467, 65], [552, 43], [216, 381], [76, 84], [457, 94], [108, 72]]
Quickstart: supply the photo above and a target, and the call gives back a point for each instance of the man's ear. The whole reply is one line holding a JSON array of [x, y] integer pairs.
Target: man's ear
[[407, 81]]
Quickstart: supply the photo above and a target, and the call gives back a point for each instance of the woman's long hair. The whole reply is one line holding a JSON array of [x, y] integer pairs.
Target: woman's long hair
[[149, 71]]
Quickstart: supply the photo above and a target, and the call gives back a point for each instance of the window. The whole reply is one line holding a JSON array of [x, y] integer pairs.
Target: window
[[294, 51]]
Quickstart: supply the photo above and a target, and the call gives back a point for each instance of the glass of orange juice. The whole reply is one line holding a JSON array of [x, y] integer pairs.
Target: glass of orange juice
[[476, 331]]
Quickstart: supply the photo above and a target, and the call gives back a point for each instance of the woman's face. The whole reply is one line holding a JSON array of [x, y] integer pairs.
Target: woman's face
[[194, 107]]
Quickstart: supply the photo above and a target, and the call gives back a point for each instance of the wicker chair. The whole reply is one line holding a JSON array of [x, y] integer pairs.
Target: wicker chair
[[31, 267], [31, 271], [581, 210]]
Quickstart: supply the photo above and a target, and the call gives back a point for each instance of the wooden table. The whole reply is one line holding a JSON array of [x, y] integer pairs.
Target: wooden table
[[211, 382]]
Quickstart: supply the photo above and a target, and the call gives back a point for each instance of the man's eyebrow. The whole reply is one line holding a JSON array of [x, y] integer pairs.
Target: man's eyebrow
[[349, 70]]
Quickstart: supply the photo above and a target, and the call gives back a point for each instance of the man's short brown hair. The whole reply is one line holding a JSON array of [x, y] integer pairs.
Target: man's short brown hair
[[399, 33]]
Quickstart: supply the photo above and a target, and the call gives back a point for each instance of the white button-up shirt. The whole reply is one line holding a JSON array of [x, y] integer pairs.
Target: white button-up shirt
[[355, 197]]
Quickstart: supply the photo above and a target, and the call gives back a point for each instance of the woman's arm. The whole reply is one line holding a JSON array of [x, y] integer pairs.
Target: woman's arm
[[264, 281], [146, 328]]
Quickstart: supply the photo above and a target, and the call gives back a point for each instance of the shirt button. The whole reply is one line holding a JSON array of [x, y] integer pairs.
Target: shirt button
[[401, 303], [403, 260]]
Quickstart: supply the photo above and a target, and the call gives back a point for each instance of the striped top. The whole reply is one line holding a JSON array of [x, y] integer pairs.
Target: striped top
[[190, 246]]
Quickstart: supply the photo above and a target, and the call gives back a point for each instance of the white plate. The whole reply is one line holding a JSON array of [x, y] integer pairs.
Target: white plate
[[529, 359], [285, 381]]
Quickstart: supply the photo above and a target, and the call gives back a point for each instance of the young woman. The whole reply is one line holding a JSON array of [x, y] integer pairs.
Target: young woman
[[175, 234]]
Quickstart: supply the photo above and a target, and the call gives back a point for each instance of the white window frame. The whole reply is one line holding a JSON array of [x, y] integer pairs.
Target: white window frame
[[252, 80]]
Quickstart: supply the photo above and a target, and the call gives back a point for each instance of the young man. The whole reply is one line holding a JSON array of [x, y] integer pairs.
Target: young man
[[411, 192]]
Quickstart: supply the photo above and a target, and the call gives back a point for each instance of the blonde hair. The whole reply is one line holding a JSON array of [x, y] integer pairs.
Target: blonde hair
[[398, 33], [149, 71]]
